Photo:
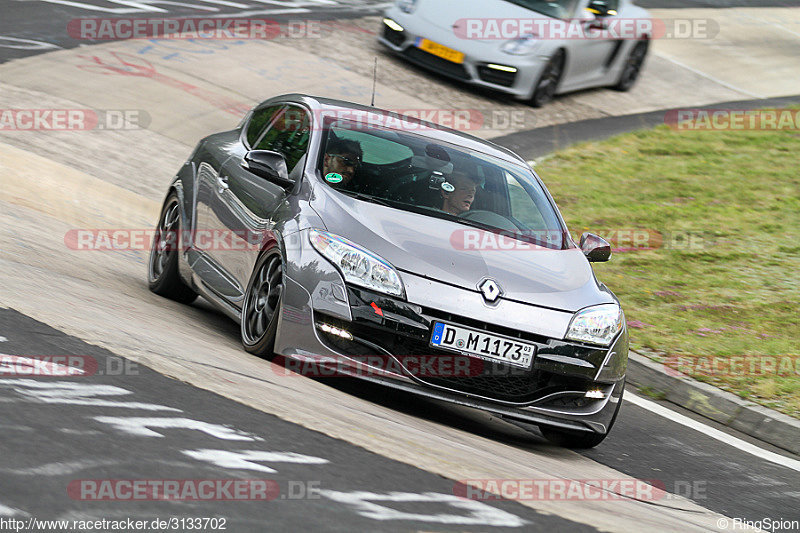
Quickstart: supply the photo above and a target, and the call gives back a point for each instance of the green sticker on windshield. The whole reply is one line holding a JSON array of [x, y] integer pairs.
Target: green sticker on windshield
[[333, 177], [448, 187]]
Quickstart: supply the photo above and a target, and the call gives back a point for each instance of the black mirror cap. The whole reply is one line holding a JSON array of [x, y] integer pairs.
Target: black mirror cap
[[600, 8], [595, 248], [268, 165]]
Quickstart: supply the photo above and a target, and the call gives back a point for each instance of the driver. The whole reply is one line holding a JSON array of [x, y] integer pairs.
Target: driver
[[463, 188], [343, 157]]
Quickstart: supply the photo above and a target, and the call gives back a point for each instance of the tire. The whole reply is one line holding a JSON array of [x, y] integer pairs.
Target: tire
[[162, 266], [580, 440], [262, 305], [547, 84], [633, 66]]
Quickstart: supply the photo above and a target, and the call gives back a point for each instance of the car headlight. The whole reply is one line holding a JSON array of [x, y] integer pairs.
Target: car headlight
[[596, 325], [521, 45], [407, 6], [358, 266]]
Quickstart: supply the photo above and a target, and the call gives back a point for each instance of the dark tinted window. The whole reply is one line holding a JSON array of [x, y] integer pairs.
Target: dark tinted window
[[288, 135], [601, 7], [261, 118]]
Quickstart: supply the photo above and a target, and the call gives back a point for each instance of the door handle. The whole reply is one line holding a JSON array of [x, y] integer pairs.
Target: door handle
[[222, 184]]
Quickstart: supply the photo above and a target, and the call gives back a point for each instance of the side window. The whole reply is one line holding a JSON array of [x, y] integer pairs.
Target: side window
[[377, 151], [529, 207], [260, 120], [522, 208], [288, 135]]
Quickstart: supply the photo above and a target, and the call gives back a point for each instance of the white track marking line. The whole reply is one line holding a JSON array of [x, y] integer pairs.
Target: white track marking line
[[709, 77], [258, 12], [134, 7], [713, 433], [25, 44], [245, 459], [3, 339], [142, 427], [774, 24], [10, 511], [218, 2]]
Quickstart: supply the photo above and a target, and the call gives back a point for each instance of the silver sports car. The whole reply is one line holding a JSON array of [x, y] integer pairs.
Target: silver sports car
[[349, 238], [531, 49]]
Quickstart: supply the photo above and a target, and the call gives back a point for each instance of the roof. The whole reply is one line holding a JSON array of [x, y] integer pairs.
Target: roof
[[441, 133]]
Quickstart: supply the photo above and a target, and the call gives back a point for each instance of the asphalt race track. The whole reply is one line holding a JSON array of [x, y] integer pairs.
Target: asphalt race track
[[168, 394], [31, 27], [312, 473], [87, 425]]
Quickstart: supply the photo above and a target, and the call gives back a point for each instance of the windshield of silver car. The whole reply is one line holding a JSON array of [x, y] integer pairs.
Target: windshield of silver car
[[415, 172], [561, 9]]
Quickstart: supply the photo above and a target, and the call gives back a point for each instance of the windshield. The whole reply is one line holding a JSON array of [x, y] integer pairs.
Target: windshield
[[414, 173], [560, 9]]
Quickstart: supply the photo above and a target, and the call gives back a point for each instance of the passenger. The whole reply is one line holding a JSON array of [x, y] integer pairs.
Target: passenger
[[342, 157], [459, 199]]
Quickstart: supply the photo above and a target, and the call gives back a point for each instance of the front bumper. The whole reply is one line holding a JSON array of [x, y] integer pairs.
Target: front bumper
[[475, 68], [388, 342]]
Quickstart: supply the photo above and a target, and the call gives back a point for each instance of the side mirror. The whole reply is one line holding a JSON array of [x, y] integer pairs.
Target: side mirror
[[268, 165], [596, 249]]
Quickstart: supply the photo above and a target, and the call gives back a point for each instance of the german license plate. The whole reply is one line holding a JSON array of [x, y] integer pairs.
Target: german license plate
[[440, 50], [481, 344]]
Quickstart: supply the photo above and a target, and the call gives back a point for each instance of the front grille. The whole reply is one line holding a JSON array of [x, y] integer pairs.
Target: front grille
[[497, 77], [483, 378], [492, 380], [404, 329], [393, 36], [438, 64]]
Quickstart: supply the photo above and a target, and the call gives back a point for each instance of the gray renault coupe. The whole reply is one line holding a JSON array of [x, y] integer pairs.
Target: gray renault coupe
[[401, 252]]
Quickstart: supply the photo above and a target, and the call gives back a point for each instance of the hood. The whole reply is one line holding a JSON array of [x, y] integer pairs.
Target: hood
[[431, 247], [443, 14]]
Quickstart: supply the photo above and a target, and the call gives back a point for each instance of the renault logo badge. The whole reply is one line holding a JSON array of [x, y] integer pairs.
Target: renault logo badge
[[490, 290]]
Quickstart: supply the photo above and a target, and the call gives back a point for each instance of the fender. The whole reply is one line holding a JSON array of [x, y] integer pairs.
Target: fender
[[183, 184]]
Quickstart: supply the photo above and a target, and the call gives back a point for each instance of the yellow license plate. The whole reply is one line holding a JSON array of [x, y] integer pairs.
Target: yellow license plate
[[440, 50]]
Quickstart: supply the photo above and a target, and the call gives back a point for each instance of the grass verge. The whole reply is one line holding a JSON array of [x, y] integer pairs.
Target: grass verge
[[707, 230]]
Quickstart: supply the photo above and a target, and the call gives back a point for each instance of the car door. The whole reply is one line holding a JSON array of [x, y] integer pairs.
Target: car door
[[215, 152], [243, 205], [591, 56]]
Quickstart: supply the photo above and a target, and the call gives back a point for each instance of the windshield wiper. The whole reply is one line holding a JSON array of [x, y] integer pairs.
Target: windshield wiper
[[485, 227], [526, 6], [367, 198]]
